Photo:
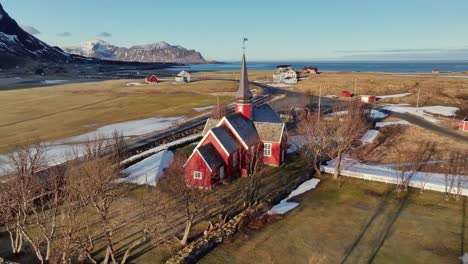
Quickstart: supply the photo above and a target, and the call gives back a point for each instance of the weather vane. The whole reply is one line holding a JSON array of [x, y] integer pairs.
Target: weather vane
[[244, 40]]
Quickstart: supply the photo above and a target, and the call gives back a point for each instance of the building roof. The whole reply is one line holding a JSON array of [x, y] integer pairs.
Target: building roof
[[264, 113], [284, 66], [465, 119], [210, 155], [272, 132], [210, 123], [243, 93], [244, 128], [182, 74], [226, 139]]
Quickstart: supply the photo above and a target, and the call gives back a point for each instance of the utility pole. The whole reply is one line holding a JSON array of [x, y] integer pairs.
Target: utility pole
[[417, 100], [319, 104], [355, 85]]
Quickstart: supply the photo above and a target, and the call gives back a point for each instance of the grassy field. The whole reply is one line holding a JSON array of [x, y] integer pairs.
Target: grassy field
[[62, 111], [434, 90], [359, 223]]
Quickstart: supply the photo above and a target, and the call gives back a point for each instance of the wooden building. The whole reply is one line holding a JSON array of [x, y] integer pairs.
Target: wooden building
[[231, 144]]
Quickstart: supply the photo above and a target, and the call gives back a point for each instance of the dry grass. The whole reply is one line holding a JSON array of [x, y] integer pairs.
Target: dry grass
[[359, 221], [396, 139], [62, 111], [434, 90]]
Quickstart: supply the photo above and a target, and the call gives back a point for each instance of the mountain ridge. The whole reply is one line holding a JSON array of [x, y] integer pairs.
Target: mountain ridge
[[152, 52]]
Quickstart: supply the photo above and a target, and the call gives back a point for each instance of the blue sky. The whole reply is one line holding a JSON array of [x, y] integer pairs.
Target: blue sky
[[277, 30]]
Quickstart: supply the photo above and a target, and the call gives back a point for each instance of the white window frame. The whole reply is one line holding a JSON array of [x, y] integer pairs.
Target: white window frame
[[267, 149], [234, 159], [197, 175]]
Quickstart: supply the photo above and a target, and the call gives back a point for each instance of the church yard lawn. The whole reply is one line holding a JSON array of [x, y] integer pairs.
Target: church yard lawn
[[359, 223]]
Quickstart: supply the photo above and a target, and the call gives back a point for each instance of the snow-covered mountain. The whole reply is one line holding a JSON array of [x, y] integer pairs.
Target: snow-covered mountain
[[15, 42], [155, 52]]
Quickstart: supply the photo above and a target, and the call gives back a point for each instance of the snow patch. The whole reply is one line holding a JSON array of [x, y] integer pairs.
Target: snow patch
[[390, 123], [284, 206], [54, 81], [392, 95], [370, 136], [161, 147], [464, 258], [201, 109], [149, 170], [376, 114], [134, 84], [424, 112]]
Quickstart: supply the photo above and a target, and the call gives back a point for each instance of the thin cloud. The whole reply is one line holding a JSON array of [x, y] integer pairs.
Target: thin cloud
[[105, 34], [64, 34], [31, 30], [391, 50]]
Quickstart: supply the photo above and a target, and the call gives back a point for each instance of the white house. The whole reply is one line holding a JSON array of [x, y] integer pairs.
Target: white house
[[183, 77], [288, 76]]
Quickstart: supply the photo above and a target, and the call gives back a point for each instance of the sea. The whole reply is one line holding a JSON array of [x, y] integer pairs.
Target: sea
[[348, 66]]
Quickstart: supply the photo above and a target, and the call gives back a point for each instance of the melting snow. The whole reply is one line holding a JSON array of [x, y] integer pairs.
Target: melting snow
[[54, 81], [375, 114], [58, 152], [284, 206], [392, 95], [424, 112], [149, 170], [134, 84], [389, 123], [464, 258], [201, 109], [370, 136]]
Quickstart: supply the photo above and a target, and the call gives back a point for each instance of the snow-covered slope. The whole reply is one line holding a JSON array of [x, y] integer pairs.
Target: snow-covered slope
[[15, 42], [155, 52]]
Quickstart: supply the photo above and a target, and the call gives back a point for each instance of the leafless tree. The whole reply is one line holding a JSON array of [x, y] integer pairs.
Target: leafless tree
[[219, 111], [192, 198], [429, 170], [253, 163], [411, 162], [11, 217], [314, 140], [119, 146], [350, 123], [458, 174]]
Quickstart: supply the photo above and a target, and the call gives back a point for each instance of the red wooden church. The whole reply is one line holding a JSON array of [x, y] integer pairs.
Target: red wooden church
[[231, 145]]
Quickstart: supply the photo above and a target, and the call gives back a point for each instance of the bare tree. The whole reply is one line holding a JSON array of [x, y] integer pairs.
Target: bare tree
[[350, 123], [253, 163], [411, 162], [119, 146], [458, 171], [11, 217], [192, 198], [314, 140], [219, 111]]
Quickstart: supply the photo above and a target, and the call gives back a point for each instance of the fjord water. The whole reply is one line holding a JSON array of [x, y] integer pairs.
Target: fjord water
[[362, 66]]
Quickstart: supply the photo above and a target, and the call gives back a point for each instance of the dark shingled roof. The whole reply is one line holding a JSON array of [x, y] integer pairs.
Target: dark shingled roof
[[264, 113], [466, 119], [210, 155], [243, 93], [226, 138], [244, 128], [210, 123], [269, 131]]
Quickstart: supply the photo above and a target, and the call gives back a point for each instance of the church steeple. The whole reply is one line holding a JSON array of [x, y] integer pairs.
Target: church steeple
[[243, 94]]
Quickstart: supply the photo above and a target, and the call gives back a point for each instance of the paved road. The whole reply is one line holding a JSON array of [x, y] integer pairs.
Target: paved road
[[426, 124]]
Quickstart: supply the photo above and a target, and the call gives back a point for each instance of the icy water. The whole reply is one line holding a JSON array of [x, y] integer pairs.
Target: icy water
[[399, 67]]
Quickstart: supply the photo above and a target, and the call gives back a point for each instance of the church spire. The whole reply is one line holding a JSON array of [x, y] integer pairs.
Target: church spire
[[243, 93]]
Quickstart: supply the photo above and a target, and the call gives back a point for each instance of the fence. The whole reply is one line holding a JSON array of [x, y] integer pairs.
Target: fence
[[435, 183]]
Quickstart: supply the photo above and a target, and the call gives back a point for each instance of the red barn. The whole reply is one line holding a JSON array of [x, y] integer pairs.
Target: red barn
[[465, 124], [230, 144], [152, 79], [346, 94], [311, 70]]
